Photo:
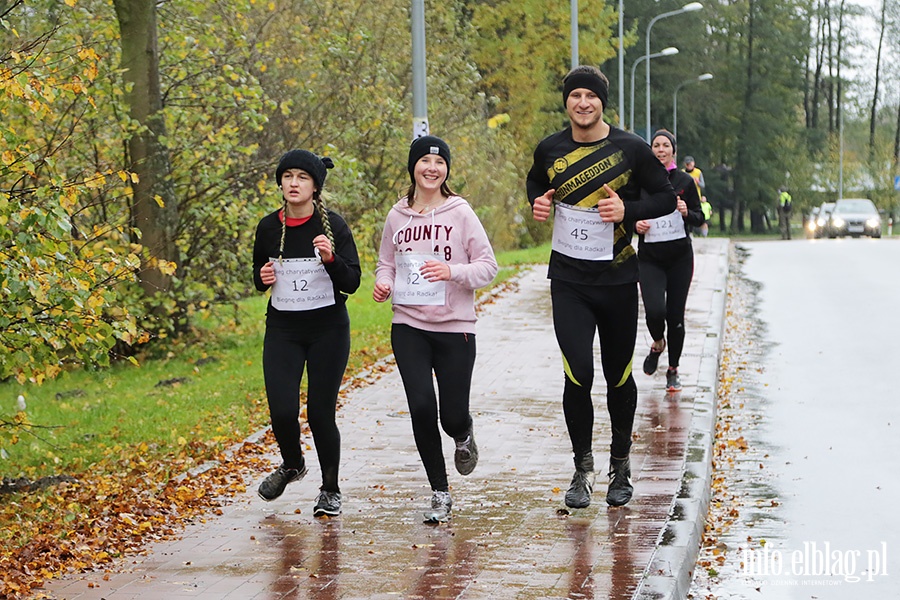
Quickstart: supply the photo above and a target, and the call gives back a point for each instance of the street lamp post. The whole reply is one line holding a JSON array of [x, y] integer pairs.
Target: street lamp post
[[693, 6], [664, 52], [704, 77], [621, 68], [573, 26], [420, 99]]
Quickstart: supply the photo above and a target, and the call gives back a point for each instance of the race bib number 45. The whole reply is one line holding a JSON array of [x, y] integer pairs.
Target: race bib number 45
[[301, 284], [580, 233]]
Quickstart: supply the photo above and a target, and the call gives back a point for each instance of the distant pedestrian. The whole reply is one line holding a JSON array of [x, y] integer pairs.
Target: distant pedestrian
[[434, 254], [306, 254], [784, 213], [667, 263], [598, 180], [690, 167], [706, 207]]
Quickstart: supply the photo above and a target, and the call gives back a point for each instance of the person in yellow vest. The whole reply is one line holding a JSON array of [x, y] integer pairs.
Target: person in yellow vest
[[784, 213], [691, 169], [706, 207]]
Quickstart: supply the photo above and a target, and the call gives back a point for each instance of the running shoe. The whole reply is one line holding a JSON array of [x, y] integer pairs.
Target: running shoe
[[466, 455], [273, 485], [328, 503], [652, 360], [579, 492], [673, 382], [441, 503], [620, 488]]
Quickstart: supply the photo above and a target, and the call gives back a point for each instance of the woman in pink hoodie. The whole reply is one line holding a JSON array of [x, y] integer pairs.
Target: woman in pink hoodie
[[434, 255]]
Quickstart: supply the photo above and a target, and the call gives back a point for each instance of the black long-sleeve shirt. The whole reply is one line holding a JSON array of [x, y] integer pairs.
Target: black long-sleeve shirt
[[577, 171], [666, 252], [344, 270]]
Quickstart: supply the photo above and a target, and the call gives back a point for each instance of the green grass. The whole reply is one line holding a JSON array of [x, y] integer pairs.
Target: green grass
[[207, 392]]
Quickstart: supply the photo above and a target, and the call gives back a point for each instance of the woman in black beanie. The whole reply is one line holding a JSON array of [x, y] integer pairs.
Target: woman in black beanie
[[306, 254], [667, 263], [434, 254]]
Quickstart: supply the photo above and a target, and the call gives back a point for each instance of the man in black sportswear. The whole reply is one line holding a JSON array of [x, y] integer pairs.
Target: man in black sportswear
[[600, 180]]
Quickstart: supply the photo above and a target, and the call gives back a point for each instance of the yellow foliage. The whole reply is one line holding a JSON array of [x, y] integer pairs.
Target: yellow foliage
[[97, 181]]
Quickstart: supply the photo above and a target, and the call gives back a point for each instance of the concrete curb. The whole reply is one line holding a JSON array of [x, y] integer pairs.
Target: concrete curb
[[668, 574]]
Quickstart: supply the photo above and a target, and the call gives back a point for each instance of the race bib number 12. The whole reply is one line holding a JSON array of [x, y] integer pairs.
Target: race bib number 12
[[301, 284]]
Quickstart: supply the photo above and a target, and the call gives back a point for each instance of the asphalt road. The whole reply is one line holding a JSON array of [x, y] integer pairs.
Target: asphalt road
[[818, 484]]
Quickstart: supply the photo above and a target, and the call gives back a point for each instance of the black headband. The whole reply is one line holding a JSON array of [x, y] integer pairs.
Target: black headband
[[588, 81], [665, 134]]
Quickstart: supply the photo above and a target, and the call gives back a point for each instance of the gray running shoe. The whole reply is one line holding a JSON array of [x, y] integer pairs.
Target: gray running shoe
[[673, 382], [620, 488], [441, 503], [273, 485], [466, 455], [328, 503], [579, 493]]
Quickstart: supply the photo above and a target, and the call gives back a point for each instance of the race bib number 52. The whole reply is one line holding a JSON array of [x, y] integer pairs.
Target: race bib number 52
[[410, 287]]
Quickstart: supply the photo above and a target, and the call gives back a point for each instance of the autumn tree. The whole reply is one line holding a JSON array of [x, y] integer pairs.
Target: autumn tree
[[58, 278]]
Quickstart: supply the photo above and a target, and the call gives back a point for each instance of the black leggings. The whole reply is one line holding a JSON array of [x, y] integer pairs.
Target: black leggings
[[664, 289], [325, 352], [611, 311], [451, 356]]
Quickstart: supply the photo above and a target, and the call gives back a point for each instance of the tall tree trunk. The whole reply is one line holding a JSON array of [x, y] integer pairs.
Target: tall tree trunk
[[897, 139], [742, 183], [874, 111], [154, 208], [820, 61], [839, 100], [831, 60]]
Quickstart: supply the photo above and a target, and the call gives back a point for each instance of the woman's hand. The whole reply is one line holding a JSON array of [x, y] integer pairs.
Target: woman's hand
[[682, 206], [381, 292], [435, 270], [642, 227], [267, 273], [323, 245]]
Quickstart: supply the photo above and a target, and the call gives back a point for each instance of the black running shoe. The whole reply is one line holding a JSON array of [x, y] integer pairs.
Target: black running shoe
[[273, 485], [466, 455], [673, 382], [441, 503], [652, 361], [328, 503], [620, 488], [579, 492]]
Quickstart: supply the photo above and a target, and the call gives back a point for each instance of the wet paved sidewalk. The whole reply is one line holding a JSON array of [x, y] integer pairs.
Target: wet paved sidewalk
[[506, 538]]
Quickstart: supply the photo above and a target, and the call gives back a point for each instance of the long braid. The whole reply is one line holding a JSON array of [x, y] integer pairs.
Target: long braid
[[326, 222], [283, 230]]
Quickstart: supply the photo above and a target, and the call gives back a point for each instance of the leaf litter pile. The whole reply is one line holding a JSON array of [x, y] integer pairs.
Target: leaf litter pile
[[743, 503]]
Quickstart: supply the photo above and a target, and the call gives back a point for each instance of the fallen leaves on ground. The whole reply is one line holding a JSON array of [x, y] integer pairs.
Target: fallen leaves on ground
[[112, 511]]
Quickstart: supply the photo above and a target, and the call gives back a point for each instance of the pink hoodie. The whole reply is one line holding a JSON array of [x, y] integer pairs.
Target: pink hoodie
[[455, 233]]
